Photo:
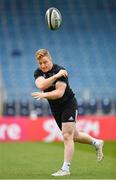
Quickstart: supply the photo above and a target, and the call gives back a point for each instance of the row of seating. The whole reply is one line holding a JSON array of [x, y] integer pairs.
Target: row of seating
[[86, 40], [42, 108]]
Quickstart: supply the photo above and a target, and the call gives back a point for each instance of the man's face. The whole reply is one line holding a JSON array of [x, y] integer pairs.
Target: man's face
[[45, 64]]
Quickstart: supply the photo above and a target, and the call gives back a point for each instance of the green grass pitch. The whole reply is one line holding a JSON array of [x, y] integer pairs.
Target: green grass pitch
[[37, 160]]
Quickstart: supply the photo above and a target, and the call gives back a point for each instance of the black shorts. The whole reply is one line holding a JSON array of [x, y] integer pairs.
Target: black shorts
[[67, 113]]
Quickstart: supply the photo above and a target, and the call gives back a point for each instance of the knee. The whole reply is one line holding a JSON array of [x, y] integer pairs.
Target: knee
[[76, 136], [67, 137]]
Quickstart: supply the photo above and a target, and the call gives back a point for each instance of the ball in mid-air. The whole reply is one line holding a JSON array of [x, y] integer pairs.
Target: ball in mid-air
[[53, 18]]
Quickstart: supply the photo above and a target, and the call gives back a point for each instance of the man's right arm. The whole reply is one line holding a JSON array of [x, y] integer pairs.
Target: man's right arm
[[43, 83]]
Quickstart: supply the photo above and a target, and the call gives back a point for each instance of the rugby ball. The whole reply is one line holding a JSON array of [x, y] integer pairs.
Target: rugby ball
[[53, 18]]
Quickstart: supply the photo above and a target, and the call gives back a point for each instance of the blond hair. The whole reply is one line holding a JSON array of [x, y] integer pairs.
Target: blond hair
[[41, 53]]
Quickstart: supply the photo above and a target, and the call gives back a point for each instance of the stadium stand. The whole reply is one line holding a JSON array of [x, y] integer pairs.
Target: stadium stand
[[85, 44]]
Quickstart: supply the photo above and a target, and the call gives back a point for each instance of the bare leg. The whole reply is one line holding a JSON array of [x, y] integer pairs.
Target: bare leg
[[68, 134], [85, 138], [68, 130], [82, 137]]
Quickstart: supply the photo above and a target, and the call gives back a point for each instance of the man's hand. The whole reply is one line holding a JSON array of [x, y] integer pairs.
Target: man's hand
[[38, 95], [62, 73]]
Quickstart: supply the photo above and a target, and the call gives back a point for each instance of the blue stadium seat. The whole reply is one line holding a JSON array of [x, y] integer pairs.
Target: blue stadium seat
[[37, 106], [91, 106], [24, 109], [81, 107], [86, 40], [106, 105], [10, 108]]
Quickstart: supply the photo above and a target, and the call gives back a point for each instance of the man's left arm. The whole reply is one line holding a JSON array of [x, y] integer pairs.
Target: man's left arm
[[52, 95]]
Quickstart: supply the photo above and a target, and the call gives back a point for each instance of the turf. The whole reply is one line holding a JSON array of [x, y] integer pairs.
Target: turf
[[35, 160]]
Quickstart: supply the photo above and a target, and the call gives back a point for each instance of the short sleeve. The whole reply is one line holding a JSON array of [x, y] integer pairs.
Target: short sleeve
[[37, 73], [63, 79]]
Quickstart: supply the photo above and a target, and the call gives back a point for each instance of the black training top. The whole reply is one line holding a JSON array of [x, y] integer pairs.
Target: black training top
[[58, 103]]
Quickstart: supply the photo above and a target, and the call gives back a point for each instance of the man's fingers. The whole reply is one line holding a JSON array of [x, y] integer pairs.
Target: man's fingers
[[35, 97], [34, 93], [65, 74]]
